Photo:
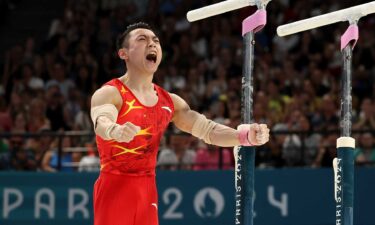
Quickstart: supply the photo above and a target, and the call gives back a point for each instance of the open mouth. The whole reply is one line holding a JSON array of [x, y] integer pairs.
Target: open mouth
[[151, 57]]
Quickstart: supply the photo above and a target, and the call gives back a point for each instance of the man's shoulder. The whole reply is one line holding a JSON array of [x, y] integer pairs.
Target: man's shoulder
[[106, 94], [162, 90], [176, 99], [107, 89]]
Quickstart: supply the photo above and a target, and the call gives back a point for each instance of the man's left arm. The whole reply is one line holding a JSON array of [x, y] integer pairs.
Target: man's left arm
[[214, 133]]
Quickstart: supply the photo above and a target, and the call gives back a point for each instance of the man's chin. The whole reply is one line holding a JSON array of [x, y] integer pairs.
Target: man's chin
[[151, 68]]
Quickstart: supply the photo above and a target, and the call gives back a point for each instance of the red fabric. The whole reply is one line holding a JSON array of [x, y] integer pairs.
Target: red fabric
[[139, 155], [125, 200], [125, 192]]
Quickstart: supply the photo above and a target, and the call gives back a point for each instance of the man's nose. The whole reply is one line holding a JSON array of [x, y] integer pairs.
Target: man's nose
[[151, 43]]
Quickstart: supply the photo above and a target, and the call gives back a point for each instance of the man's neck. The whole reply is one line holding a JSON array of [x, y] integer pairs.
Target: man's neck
[[137, 82]]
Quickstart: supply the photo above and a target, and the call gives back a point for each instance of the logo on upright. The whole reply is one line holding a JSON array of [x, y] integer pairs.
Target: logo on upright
[[209, 203]]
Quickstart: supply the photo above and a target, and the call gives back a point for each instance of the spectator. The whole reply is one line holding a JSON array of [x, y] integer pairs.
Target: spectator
[[40, 146], [365, 154], [19, 123], [59, 78], [295, 73], [327, 151], [211, 157], [37, 116], [328, 114], [271, 155], [55, 109], [177, 156], [366, 118], [90, 162], [310, 141], [21, 159], [82, 120], [5, 118], [51, 158], [292, 152], [4, 153]]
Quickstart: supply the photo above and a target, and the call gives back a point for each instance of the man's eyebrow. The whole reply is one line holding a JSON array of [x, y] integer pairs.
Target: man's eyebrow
[[145, 36], [141, 35]]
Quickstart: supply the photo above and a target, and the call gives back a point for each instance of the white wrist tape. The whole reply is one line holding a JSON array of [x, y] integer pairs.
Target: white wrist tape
[[202, 128], [108, 131], [108, 110]]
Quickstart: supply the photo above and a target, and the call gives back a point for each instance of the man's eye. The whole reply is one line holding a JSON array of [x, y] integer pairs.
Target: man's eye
[[156, 41]]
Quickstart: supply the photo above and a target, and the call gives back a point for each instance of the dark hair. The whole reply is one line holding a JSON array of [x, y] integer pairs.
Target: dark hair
[[125, 35]]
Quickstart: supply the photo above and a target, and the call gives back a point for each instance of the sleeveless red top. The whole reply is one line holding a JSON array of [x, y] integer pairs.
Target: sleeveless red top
[[138, 157]]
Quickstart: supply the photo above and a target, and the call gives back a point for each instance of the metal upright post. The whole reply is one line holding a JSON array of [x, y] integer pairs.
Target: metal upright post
[[344, 174], [245, 155]]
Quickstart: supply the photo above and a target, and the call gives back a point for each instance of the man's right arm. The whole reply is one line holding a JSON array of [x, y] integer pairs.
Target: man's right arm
[[105, 104]]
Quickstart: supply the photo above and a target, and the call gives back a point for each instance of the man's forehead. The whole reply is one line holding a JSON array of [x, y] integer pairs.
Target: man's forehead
[[142, 31]]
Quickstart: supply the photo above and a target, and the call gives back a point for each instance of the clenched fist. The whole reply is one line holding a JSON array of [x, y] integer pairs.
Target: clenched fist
[[253, 134], [125, 132]]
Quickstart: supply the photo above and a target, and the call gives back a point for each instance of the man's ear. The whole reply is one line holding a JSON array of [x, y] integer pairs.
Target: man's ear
[[123, 54]]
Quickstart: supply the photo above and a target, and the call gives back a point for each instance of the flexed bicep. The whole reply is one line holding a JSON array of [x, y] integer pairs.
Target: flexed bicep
[[191, 121], [104, 110], [183, 117]]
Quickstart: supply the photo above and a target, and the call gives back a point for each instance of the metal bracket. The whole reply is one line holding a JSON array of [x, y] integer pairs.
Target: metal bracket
[[261, 4]]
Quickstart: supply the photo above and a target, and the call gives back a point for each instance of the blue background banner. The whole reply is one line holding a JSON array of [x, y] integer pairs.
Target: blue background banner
[[283, 197]]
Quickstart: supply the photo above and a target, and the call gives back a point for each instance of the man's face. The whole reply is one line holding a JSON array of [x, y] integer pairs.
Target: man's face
[[143, 50]]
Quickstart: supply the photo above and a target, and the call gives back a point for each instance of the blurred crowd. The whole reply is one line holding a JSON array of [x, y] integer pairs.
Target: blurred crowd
[[297, 83]]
